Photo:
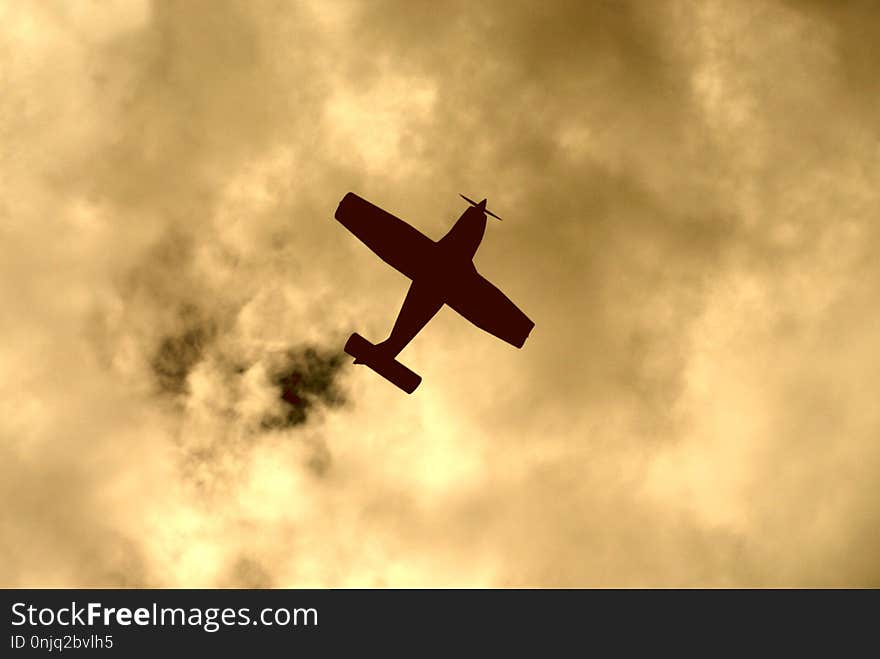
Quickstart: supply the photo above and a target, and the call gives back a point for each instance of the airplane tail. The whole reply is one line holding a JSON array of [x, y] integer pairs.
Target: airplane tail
[[392, 370]]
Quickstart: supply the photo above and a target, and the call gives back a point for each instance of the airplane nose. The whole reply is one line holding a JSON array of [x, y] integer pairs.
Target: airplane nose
[[481, 206]]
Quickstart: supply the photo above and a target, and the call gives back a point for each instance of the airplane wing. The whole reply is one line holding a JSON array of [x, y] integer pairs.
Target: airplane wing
[[393, 240], [488, 308]]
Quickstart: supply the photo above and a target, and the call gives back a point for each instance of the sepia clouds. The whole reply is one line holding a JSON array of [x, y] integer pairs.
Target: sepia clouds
[[690, 220]]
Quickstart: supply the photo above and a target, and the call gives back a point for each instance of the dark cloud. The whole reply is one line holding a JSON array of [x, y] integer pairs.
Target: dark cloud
[[176, 357], [304, 378]]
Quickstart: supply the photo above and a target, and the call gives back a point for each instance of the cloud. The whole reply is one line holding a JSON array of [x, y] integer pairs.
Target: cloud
[[689, 220]]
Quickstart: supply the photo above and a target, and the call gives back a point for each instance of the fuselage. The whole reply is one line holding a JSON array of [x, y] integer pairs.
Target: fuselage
[[462, 240], [449, 267]]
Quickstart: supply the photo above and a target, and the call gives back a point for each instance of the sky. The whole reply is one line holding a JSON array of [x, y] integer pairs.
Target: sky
[[690, 219]]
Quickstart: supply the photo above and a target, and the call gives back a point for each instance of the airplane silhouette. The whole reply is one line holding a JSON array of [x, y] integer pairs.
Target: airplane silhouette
[[442, 272]]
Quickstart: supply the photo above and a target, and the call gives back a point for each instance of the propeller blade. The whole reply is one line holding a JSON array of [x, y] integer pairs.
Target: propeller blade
[[473, 203]]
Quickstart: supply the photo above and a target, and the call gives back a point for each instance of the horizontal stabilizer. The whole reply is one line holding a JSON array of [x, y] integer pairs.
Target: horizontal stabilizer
[[392, 370]]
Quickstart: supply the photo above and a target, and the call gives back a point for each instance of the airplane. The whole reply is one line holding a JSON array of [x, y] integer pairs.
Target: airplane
[[442, 272]]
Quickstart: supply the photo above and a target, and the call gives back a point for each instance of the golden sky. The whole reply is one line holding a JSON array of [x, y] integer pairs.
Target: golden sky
[[691, 219]]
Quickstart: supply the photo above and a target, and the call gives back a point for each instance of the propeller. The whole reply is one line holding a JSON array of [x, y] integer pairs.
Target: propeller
[[481, 205]]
